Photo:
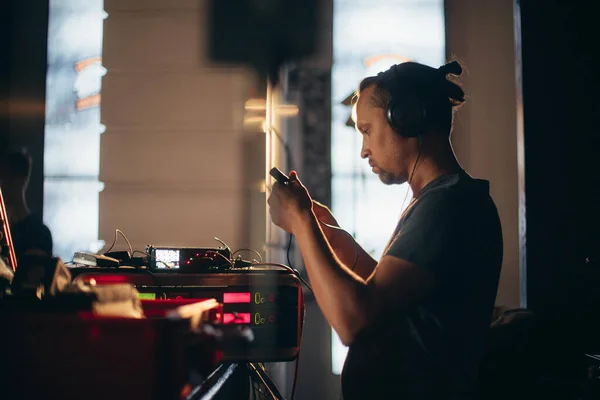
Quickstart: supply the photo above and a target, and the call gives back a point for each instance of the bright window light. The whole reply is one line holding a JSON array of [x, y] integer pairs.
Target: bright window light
[[369, 37], [73, 129]]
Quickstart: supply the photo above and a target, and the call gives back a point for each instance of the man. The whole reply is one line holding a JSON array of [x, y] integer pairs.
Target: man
[[415, 321], [29, 234]]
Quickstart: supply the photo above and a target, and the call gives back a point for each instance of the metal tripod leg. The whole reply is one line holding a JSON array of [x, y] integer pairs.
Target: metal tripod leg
[[262, 376]]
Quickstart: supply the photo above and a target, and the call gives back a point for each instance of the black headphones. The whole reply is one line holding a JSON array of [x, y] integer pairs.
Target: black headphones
[[406, 116]]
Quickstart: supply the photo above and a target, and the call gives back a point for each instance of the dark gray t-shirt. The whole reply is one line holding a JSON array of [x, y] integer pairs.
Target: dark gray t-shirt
[[432, 349]]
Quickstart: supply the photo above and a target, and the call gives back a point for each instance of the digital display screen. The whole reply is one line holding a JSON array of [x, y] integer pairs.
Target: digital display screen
[[147, 296], [237, 318], [243, 297], [167, 258]]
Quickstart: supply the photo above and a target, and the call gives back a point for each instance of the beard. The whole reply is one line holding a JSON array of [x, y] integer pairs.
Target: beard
[[387, 178]]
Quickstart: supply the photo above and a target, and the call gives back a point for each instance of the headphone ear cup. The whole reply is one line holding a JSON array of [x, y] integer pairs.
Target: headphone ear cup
[[391, 115], [406, 119]]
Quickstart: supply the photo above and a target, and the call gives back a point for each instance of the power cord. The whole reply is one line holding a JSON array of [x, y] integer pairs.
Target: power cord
[[264, 378], [289, 247], [266, 381], [300, 345], [292, 270], [119, 232], [297, 273], [229, 261], [250, 250], [223, 243]]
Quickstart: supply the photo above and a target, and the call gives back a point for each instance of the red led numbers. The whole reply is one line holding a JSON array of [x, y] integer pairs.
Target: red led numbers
[[229, 298], [236, 318]]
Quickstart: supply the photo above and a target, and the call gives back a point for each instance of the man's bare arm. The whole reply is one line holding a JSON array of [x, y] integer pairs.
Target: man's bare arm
[[346, 249]]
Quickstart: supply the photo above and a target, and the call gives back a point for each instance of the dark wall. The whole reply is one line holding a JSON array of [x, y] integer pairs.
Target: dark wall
[[23, 60], [562, 126], [5, 45]]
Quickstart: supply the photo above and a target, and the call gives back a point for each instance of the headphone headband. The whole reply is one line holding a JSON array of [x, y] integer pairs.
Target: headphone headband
[[405, 113]]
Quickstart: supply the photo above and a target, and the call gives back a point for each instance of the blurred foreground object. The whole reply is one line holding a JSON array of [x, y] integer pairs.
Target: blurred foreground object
[[71, 340], [264, 34], [7, 249]]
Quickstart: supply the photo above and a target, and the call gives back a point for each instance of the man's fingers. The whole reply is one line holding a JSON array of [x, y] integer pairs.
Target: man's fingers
[[294, 178], [321, 208], [319, 205]]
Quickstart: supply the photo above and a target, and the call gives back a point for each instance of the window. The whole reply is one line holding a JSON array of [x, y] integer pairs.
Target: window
[[73, 129], [369, 37]]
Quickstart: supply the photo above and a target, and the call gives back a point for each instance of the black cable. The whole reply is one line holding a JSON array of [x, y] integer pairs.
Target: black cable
[[288, 153], [229, 262], [267, 382], [141, 252], [300, 345], [223, 243], [412, 174], [295, 374], [292, 270], [127, 240], [301, 327], [251, 382], [113, 243], [251, 250], [287, 254], [260, 377]]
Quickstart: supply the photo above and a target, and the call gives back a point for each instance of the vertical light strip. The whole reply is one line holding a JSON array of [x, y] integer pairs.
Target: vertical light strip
[[73, 129], [369, 37], [268, 164], [520, 157]]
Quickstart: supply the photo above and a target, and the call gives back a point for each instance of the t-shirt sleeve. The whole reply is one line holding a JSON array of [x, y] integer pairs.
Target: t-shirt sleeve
[[428, 236]]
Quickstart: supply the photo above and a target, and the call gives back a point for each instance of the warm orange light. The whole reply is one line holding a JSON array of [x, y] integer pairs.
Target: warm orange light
[[284, 110], [255, 105], [370, 61], [88, 102], [287, 110], [80, 65]]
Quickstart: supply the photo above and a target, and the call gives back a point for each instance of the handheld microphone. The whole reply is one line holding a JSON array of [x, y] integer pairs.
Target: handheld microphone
[[279, 176]]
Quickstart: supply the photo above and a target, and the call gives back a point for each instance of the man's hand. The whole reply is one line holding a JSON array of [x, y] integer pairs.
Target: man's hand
[[289, 203], [323, 213]]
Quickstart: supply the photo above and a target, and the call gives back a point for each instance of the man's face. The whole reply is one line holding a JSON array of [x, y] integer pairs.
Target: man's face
[[388, 153]]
